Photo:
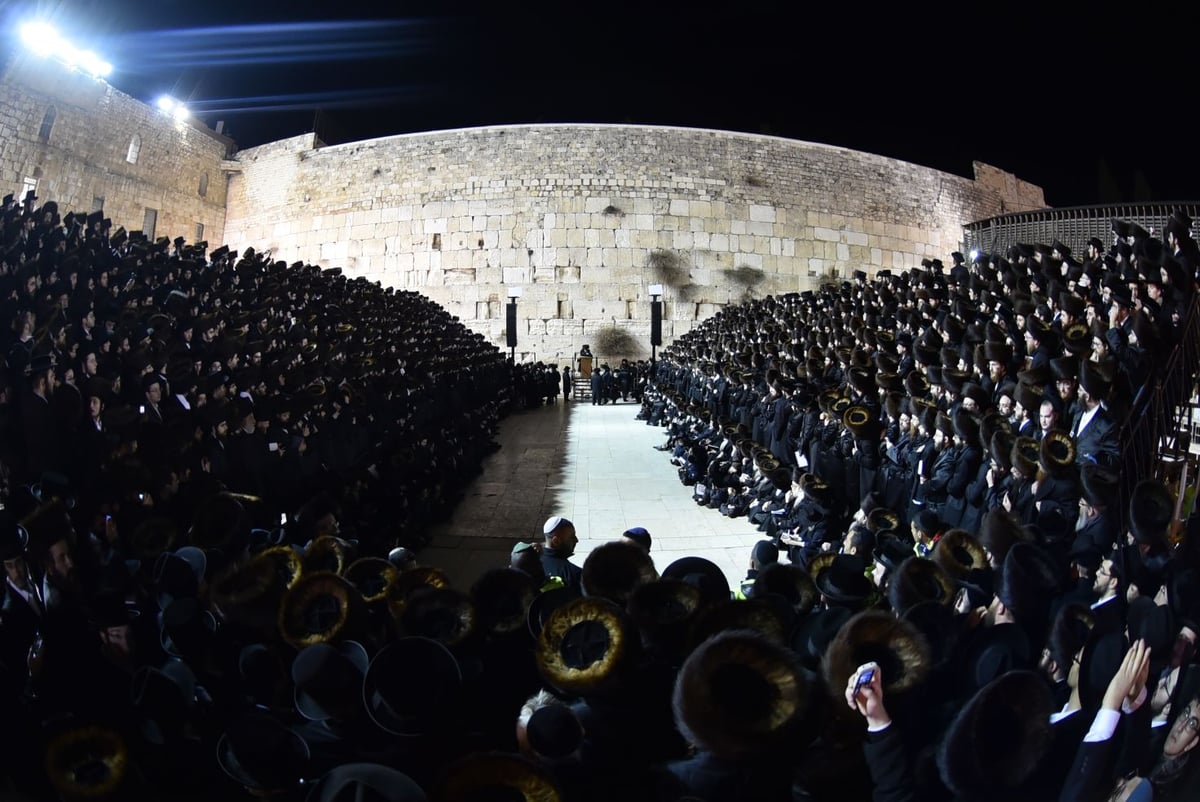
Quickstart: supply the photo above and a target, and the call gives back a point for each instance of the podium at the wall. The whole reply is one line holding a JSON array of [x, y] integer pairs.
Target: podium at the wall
[[581, 382]]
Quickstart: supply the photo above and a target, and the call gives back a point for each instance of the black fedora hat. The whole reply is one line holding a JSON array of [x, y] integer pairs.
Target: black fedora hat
[[502, 598], [704, 574], [162, 698], [739, 693], [262, 755], [584, 646], [328, 680], [897, 646], [664, 611], [998, 739], [445, 615], [842, 581], [187, 628], [614, 570], [14, 539], [411, 686], [1028, 581], [366, 782]]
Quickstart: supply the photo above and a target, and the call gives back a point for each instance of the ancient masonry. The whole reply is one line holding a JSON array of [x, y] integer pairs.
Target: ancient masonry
[[582, 218]]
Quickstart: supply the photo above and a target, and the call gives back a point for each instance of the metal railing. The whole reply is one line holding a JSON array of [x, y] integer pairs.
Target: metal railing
[[1072, 226], [1154, 431]]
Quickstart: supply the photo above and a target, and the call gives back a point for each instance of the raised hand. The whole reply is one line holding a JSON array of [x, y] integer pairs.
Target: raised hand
[[867, 697]]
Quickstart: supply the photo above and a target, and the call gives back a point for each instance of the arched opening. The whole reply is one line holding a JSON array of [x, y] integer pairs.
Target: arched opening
[[203, 185], [135, 148]]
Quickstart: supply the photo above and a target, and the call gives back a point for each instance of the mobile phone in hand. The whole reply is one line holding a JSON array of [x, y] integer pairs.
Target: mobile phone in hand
[[864, 679]]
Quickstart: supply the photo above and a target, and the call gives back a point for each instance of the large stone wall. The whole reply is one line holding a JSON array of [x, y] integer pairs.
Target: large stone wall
[[84, 158], [584, 218]]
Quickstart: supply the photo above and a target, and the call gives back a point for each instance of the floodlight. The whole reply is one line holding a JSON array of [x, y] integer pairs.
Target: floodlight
[[656, 289], [166, 103], [180, 112], [40, 37], [974, 254]]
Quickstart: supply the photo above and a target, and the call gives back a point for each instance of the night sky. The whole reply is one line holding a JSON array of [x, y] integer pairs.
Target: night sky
[[1095, 110]]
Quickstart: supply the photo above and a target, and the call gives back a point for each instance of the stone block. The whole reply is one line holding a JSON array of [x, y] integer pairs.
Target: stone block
[[826, 234], [762, 214], [678, 208]]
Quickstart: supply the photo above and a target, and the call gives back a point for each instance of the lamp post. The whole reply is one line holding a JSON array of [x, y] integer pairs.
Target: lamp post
[[511, 322], [656, 292]]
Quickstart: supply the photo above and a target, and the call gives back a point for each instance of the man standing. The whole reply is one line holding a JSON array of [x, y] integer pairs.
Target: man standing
[[559, 545], [566, 382]]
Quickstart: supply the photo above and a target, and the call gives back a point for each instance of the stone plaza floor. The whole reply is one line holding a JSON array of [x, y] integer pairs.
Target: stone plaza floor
[[597, 466]]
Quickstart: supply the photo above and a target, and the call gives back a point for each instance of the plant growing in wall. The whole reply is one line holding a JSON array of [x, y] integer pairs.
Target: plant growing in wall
[[745, 277], [668, 267], [615, 342]]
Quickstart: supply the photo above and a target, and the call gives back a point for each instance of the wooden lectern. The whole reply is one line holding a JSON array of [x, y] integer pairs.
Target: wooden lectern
[[585, 366]]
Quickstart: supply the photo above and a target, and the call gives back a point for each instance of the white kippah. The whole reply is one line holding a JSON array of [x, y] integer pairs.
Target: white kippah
[[551, 524]]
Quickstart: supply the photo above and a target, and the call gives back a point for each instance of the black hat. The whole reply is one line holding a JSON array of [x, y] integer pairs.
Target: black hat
[[738, 694], [445, 615], [13, 537], [328, 680], [1093, 381], [162, 698], [366, 782], [704, 574], [893, 643], [584, 645], [664, 611], [841, 580], [1027, 582], [1072, 625], [187, 629], [999, 531], [1151, 509], [891, 551], [554, 731], [502, 598], [1077, 339], [998, 739], [410, 686], [614, 570], [262, 755]]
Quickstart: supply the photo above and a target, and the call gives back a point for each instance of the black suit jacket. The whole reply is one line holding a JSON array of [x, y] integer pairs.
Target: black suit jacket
[[1098, 440]]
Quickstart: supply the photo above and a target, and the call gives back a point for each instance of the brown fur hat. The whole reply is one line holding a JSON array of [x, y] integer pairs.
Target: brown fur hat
[[894, 644], [739, 694]]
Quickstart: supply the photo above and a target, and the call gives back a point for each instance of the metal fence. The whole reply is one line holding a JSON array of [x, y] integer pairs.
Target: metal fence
[[1073, 226]]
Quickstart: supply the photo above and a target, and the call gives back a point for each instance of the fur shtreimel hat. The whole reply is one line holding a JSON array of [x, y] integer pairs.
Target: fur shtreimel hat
[[1150, 510], [615, 570], [739, 693], [997, 741], [894, 644], [584, 645], [958, 553], [918, 580]]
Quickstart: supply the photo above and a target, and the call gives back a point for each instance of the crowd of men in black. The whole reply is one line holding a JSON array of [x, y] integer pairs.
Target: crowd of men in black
[[947, 445], [167, 412], [213, 457]]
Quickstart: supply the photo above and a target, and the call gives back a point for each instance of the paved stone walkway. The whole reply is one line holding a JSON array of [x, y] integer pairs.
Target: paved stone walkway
[[597, 466]]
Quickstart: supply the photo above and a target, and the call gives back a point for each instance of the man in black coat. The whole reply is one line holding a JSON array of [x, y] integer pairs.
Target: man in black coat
[[1094, 432]]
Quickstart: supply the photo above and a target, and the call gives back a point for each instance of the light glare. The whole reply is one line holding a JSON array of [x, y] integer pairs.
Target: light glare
[[43, 40]]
